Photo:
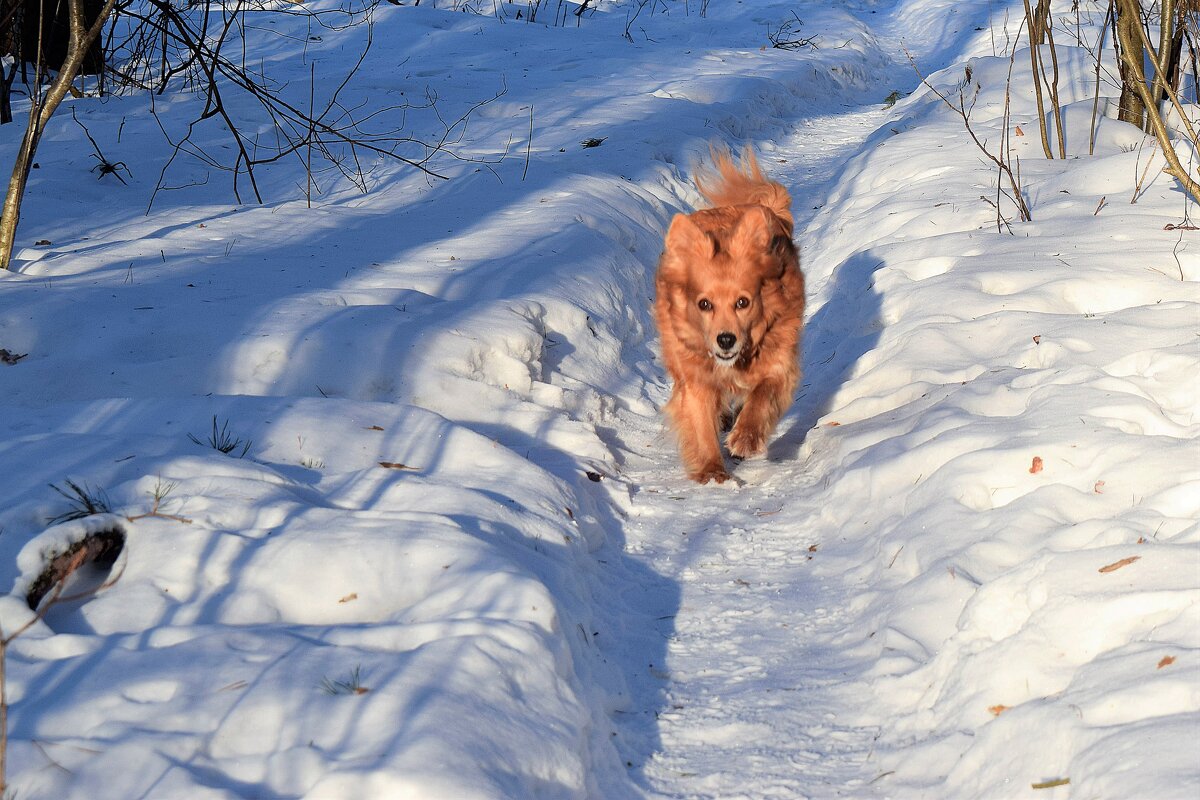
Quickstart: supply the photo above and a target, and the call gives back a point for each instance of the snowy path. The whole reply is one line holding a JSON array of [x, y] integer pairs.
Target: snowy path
[[754, 685]]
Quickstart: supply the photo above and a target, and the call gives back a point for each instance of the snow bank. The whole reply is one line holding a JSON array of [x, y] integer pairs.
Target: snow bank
[[424, 563], [1013, 445]]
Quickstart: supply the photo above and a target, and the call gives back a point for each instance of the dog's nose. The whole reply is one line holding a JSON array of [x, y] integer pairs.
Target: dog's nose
[[726, 340]]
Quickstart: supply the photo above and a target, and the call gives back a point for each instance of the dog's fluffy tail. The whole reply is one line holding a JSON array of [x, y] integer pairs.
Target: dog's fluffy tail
[[740, 184]]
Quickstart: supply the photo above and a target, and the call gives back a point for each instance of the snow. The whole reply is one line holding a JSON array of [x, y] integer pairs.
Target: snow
[[459, 557]]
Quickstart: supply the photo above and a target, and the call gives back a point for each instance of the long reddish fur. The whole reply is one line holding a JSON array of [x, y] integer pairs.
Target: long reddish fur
[[741, 247]]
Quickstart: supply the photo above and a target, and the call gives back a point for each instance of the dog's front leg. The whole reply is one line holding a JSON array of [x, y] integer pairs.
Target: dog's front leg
[[695, 409], [764, 406]]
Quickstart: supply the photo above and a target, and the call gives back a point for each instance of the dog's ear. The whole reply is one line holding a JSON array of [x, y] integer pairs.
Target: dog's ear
[[783, 247], [755, 231], [686, 237], [760, 231]]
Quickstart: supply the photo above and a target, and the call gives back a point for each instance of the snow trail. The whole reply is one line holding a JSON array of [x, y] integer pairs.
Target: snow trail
[[752, 698], [764, 693]]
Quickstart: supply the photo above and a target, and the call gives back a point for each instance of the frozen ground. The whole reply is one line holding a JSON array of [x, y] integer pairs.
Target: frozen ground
[[458, 558]]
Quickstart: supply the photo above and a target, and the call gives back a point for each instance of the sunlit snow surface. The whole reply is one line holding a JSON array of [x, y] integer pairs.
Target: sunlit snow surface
[[459, 558]]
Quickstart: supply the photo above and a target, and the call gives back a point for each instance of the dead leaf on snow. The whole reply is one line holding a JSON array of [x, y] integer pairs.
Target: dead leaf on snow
[[1036, 467], [1116, 565], [1166, 661], [1051, 784], [997, 710]]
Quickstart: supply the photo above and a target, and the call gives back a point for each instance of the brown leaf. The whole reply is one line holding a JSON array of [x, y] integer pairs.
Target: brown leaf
[[1099, 487], [1051, 784], [997, 710], [1019, 131], [396, 465], [1116, 565], [349, 597], [1036, 467], [1166, 661], [1037, 339]]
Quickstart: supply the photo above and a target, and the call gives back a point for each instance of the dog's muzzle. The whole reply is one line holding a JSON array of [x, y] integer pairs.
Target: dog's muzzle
[[725, 359], [726, 352]]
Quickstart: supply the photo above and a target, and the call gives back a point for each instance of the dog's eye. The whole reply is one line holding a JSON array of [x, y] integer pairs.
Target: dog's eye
[[705, 305], [742, 302]]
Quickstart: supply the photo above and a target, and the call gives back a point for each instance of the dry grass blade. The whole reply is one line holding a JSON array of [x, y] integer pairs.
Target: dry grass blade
[[85, 502], [352, 685]]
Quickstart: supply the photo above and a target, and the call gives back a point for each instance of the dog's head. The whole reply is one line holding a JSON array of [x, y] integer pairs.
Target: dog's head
[[721, 268]]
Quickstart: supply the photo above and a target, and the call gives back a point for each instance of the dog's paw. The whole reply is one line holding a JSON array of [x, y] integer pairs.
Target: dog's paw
[[712, 472], [745, 443]]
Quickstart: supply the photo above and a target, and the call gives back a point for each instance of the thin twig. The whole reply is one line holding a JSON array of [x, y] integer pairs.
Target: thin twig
[[528, 143], [963, 109]]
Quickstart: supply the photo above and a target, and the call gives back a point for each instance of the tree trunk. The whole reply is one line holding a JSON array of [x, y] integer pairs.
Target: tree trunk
[[55, 31], [1133, 55], [10, 44], [1170, 48], [1039, 20], [1128, 17], [41, 109], [1036, 21]]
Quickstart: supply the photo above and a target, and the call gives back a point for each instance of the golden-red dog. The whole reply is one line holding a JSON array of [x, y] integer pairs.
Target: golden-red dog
[[729, 308]]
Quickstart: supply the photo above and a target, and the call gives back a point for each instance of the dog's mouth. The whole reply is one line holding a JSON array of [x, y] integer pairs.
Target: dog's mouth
[[726, 358]]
